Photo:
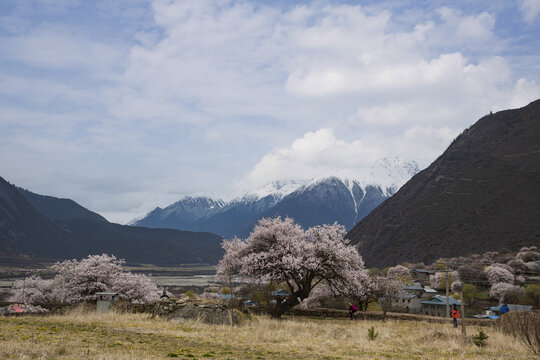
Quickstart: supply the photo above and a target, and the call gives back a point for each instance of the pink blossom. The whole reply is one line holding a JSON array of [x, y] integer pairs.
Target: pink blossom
[[82, 279], [399, 272], [497, 274], [504, 291], [280, 251]]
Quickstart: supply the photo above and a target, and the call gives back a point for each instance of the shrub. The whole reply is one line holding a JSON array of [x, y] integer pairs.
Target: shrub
[[523, 325], [480, 338], [371, 334], [533, 294], [226, 290], [469, 293]]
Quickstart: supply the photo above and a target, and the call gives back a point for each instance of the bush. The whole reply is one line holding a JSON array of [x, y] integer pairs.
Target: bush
[[524, 325], [226, 290], [469, 293], [480, 338], [371, 334], [533, 294]]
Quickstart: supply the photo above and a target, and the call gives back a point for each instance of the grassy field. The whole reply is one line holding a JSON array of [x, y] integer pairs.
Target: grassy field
[[136, 336]]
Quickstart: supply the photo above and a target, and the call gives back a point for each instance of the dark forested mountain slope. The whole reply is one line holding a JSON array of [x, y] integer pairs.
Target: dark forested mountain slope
[[59, 209], [481, 194], [47, 227], [25, 229]]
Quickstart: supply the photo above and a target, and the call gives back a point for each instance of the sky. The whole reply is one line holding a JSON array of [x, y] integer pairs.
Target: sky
[[126, 105]]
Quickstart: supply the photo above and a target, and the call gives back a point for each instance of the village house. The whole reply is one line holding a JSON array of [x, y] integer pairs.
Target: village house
[[409, 300], [419, 274], [436, 306], [408, 303]]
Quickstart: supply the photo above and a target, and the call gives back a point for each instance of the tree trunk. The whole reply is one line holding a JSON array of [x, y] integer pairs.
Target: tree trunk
[[281, 308]]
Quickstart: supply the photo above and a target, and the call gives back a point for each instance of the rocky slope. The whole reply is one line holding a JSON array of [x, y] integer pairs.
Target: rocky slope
[[481, 194]]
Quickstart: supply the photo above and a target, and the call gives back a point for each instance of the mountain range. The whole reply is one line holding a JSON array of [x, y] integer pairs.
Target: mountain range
[[45, 227], [310, 202], [482, 194]]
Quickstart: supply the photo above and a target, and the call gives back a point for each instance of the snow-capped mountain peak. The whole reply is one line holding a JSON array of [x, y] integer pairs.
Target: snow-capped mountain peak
[[315, 201]]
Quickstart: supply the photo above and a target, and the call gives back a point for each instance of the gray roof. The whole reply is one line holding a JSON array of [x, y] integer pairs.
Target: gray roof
[[406, 295], [421, 271], [414, 287], [512, 307], [107, 293], [441, 300]]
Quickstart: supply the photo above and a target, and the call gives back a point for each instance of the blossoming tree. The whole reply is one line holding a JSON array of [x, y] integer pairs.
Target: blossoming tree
[[498, 274], [280, 251], [386, 290], [82, 279]]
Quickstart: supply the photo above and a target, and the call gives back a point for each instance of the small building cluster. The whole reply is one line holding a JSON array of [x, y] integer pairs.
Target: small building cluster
[[417, 299]]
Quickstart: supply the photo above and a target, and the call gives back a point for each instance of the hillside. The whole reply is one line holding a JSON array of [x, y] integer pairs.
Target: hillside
[[481, 194], [41, 226], [24, 229], [59, 209]]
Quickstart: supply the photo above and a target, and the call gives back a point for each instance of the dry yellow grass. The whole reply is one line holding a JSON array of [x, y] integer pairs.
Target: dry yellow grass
[[130, 336]]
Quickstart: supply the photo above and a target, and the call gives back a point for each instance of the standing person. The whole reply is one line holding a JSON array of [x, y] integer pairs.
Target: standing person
[[352, 311], [504, 309], [455, 314]]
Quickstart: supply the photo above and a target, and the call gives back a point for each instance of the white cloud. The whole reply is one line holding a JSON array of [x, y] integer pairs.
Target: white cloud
[[320, 154], [530, 10], [207, 91], [315, 154]]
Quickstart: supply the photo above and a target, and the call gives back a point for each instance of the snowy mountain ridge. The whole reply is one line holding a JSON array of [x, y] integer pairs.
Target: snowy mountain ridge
[[324, 199]]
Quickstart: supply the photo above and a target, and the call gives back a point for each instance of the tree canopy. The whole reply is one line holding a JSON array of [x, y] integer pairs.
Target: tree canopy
[[280, 251]]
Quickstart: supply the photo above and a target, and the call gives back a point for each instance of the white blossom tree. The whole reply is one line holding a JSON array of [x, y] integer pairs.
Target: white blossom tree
[[82, 279], [399, 272], [386, 290], [457, 286], [498, 274], [280, 251], [505, 292], [436, 279]]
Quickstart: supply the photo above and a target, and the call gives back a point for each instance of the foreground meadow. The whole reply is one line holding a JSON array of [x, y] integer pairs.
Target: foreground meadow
[[137, 336]]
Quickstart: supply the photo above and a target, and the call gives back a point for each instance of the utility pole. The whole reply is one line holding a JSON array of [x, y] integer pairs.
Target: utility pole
[[447, 313], [463, 330], [447, 293], [63, 284], [23, 288]]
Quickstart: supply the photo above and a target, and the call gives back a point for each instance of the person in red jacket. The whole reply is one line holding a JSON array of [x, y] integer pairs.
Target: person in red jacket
[[352, 311], [455, 314]]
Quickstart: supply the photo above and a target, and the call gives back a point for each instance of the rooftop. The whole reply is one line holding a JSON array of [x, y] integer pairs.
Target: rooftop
[[441, 300]]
